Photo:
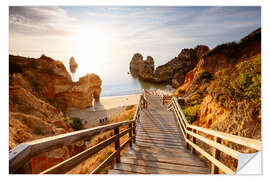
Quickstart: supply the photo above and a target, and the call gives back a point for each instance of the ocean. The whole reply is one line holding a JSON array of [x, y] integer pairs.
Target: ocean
[[113, 70], [122, 83]]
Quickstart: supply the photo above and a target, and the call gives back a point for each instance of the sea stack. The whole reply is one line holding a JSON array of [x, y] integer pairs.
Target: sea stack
[[72, 65]]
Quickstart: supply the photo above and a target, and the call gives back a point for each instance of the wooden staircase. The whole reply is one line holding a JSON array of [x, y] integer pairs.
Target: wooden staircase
[[160, 141], [159, 147]]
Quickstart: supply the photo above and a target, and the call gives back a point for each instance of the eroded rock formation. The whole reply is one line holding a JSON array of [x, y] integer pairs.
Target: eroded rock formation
[[72, 65], [172, 72], [40, 90], [49, 80]]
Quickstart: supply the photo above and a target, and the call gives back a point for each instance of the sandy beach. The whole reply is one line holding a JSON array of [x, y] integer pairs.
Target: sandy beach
[[107, 107]]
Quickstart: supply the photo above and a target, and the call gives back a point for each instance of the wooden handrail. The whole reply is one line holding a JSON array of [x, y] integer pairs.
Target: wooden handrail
[[189, 130], [21, 154]]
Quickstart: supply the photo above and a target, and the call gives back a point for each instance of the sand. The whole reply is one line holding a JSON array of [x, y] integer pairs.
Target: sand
[[107, 107]]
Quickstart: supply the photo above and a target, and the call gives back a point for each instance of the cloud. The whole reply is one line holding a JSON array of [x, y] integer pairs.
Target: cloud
[[40, 21]]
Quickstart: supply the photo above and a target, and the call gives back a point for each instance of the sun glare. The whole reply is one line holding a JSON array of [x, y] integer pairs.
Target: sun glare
[[90, 45]]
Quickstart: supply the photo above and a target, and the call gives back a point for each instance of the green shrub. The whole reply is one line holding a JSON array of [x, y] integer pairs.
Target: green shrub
[[76, 123], [195, 98], [243, 82], [191, 113], [130, 116]]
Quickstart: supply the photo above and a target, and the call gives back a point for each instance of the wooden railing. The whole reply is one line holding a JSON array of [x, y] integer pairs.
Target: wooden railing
[[19, 157], [191, 135]]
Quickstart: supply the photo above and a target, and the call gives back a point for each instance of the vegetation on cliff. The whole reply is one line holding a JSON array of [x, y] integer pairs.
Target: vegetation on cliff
[[223, 91]]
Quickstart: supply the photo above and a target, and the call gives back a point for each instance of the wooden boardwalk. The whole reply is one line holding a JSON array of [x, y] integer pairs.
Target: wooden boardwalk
[[160, 148]]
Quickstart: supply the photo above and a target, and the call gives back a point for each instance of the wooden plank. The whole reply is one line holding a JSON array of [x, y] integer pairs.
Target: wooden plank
[[161, 142], [224, 168], [178, 154], [216, 155], [163, 139], [157, 132], [252, 143], [114, 171], [173, 160], [158, 145], [154, 164], [146, 169], [107, 161], [16, 161], [46, 144], [219, 146], [80, 157], [158, 149], [161, 128]]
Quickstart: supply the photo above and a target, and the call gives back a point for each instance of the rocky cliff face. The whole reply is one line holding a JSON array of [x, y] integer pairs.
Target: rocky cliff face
[[223, 91], [40, 91], [172, 72], [72, 65], [49, 80]]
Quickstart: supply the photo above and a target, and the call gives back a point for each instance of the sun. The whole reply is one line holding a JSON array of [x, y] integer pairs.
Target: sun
[[90, 44]]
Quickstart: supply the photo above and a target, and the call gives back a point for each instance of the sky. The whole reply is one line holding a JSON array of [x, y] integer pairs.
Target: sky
[[104, 38]]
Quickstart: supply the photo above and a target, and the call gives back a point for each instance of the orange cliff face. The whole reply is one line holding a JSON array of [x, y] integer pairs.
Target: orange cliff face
[[216, 84], [49, 80], [40, 91], [225, 91], [173, 72]]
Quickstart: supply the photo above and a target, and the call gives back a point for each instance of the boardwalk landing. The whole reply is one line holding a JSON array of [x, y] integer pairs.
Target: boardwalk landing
[[160, 147]]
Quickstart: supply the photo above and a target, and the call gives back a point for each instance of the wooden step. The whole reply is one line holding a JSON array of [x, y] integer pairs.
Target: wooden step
[[165, 150], [155, 164], [158, 145], [157, 132], [162, 139], [184, 160], [161, 142], [116, 171], [146, 169], [178, 154]]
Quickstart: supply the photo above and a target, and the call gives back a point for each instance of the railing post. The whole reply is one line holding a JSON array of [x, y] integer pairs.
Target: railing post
[[130, 134], [117, 144], [25, 169], [134, 132], [216, 155], [193, 140], [187, 135]]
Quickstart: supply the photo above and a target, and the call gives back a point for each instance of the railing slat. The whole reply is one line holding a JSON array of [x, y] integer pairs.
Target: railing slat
[[211, 158], [220, 147], [191, 130], [68, 164], [106, 162], [252, 143]]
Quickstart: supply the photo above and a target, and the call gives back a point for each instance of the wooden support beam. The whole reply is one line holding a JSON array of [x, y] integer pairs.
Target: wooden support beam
[[134, 132], [130, 133], [216, 155], [117, 144], [193, 139]]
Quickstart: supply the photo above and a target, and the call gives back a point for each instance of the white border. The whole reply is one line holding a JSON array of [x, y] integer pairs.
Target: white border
[[4, 70]]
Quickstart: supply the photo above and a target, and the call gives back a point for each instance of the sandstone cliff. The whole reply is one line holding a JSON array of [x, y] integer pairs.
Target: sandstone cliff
[[72, 65], [223, 91], [40, 92], [49, 80], [172, 72]]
